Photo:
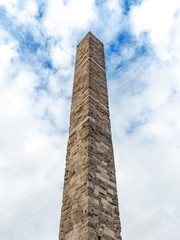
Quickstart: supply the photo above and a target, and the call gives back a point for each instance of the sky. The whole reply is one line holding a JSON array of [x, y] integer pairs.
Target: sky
[[38, 40]]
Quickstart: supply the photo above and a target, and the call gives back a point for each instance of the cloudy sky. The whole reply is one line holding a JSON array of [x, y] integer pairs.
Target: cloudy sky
[[38, 41]]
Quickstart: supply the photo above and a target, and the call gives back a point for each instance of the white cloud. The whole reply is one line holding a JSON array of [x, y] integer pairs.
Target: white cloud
[[30, 151], [110, 21], [146, 128], [145, 123], [157, 18], [61, 56], [8, 52], [24, 12], [144, 114], [62, 19]]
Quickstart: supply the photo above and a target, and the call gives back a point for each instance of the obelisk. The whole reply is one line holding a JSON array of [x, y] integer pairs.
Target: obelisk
[[90, 204]]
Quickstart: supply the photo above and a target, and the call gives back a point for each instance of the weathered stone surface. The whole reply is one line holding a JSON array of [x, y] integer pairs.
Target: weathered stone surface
[[90, 204]]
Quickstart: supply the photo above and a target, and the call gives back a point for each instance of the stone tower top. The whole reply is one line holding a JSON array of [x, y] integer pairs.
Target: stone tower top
[[90, 205], [93, 48]]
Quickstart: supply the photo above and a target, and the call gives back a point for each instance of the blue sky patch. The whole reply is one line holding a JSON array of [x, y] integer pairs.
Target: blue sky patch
[[127, 5], [125, 38], [126, 41], [99, 2], [135, 124], [27, 43], [25, 38], [41, 11], [5, 19], [48, 64]]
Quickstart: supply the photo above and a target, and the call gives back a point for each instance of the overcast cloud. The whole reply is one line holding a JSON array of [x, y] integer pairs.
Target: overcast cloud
[[37, 55]]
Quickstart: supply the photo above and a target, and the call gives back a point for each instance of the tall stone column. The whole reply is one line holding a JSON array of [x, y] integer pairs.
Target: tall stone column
[[90, 205]]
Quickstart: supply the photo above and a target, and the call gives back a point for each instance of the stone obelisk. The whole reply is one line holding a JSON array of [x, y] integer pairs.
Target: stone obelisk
[[90, 204]]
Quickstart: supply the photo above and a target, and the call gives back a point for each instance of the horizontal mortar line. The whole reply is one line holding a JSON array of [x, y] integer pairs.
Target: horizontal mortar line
[[86, 61], [99, 103], [98, 64], [81, 123], [81, 64], [102, 161], [94, 100]]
